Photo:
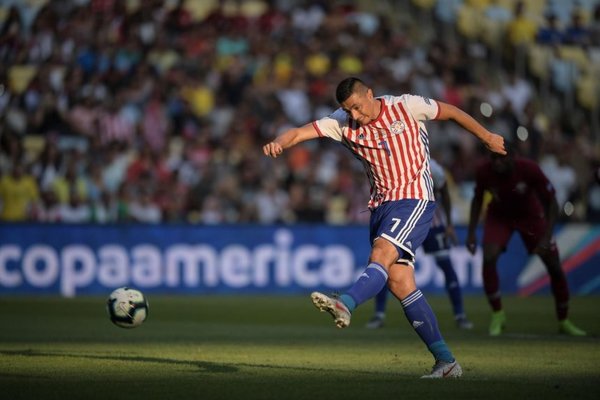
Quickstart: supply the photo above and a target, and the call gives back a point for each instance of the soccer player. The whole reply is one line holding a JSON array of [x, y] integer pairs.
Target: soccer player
[[389, 136], [523, 200], [437, 243]]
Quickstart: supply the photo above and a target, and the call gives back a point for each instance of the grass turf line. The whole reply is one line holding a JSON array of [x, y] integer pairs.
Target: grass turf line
[[230, 347]]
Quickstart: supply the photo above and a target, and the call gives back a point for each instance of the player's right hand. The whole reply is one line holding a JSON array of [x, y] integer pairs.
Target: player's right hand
[[272, 149]]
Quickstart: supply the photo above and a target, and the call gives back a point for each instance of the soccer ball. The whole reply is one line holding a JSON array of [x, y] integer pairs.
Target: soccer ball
[[127, 307]]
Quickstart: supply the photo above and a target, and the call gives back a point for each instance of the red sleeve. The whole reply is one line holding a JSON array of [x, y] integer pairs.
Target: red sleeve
[[316, 126]]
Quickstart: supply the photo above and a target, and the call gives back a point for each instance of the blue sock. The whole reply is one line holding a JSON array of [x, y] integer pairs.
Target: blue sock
[[421, 317], [452, 285], [369, 283]]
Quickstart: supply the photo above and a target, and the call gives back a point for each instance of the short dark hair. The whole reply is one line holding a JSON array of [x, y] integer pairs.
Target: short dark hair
[[346, 87]]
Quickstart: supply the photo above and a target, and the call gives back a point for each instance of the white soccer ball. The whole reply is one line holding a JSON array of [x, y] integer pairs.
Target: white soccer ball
[[127, 307]]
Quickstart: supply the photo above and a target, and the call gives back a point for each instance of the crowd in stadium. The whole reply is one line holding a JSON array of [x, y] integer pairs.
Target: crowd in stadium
[[156, 111]]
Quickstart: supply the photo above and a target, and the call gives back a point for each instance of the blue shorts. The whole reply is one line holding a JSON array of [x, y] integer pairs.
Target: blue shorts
[[404, 223], [436, 242]]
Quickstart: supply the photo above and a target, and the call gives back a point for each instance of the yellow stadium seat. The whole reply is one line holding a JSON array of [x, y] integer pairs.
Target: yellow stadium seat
[[424, 4], [468, 22], [576, 54], [478, 4], [588, 90], [33, 145], [493, 32], [539, 60]]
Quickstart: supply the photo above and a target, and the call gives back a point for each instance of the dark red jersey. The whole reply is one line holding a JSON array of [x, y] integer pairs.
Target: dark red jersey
[[517, 193]]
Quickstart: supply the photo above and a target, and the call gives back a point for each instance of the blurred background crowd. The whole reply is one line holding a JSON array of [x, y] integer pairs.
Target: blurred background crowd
[[156, 110]]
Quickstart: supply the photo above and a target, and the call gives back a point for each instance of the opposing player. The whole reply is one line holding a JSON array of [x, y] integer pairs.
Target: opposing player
[[523, 201], [389, 136], [440, 238]]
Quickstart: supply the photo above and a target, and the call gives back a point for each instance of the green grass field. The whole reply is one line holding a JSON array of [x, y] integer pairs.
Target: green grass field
[[282, 348]]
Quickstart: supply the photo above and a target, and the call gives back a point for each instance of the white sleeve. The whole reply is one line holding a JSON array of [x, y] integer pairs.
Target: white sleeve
[[437, 174], [333, 125], [422, 108]]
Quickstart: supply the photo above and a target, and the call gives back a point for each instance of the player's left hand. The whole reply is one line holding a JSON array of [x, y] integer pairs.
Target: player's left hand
[[495, 143]]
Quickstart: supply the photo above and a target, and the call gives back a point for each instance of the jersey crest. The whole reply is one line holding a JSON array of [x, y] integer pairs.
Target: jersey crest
[[397, 127]]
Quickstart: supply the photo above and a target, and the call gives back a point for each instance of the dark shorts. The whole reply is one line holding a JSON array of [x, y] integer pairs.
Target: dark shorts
[[436, 242], [404, 223], [498, 230]]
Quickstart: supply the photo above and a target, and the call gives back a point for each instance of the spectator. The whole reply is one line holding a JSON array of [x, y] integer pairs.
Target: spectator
[[550, 34], [272, 203], [517, 92], [521, 30], [49, 209], [71, 182], [144, 210], [111, 78], [19, 195], [577, 33], [47, 167], [594, 27], [211, 213], [76, 211], [560, 174]]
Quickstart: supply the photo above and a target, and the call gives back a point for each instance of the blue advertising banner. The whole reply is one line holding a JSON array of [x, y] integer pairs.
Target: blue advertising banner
[[75, 260]]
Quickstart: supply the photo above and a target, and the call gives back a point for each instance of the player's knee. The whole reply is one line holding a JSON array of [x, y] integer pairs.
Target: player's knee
[[401, 288], [384, 254]]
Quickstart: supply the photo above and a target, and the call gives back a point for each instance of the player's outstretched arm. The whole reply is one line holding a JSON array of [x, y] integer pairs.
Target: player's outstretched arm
[[290, 138], [492, 141]]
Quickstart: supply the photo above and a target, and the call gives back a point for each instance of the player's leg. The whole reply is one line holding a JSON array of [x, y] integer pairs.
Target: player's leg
[[372, 280], [416, 308], [423, 320], [496, 233], [368, 284], [454, 291], [531, 234], [560, 290], [437, 245], [392, 227], [378, 318]]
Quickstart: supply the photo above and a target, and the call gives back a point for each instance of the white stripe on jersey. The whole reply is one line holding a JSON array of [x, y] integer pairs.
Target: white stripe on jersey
[[394, 148]]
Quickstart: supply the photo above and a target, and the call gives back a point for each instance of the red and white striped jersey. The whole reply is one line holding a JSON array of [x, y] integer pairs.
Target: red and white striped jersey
[[394, 148]]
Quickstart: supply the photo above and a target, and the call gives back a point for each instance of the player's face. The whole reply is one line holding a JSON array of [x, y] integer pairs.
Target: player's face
[[360, 106]]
